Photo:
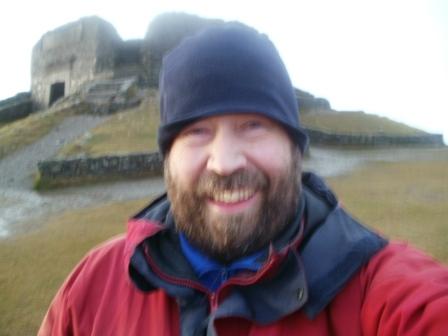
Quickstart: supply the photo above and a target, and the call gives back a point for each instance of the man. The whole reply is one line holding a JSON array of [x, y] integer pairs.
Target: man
[[244, 243]]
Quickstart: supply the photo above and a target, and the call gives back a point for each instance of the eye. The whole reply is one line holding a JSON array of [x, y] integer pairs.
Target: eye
[[196, 133], [253, 124], [196, 129]]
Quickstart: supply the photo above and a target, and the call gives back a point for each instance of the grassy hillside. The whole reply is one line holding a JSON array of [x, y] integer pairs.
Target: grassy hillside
[[355, 123], [136, 130], [34, 265], [133, 130], [22, 132], [404, 200]]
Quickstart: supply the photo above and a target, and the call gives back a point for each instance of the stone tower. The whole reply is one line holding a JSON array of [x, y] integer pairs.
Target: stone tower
[[66, 58]]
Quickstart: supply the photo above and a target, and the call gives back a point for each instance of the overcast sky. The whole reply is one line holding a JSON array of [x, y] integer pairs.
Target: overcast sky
[[386, 57]]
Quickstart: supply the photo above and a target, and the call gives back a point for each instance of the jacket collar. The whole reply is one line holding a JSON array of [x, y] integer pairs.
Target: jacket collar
[[213, 273]]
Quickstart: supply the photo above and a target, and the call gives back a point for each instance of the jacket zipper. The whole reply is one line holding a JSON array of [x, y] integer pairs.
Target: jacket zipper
[[178, 281], [212, 296]]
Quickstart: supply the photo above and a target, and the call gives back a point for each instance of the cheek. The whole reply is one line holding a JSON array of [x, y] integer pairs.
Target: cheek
[[272, 158], [185, 166]]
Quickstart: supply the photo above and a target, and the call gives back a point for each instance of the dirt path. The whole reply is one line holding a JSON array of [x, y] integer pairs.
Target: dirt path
[[17, 169]]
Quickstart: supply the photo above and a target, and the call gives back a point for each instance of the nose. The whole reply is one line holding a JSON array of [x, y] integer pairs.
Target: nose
[[226, 154]]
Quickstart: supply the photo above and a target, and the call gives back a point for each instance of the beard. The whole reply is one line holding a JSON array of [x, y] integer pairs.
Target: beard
[[226, 237]]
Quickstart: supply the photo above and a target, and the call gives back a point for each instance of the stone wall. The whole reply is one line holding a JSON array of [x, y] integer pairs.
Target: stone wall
[[319, 137], [15, 107], [71, 171], [61, 172]]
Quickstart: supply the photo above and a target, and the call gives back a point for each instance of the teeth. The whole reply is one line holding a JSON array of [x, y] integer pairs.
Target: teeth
[[233, 196]]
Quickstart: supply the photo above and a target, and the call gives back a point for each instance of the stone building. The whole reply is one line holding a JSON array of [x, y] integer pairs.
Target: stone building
[[81, 54], [68, 57]]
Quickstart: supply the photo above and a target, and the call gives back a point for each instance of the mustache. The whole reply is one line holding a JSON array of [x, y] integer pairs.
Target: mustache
[[210, 182]]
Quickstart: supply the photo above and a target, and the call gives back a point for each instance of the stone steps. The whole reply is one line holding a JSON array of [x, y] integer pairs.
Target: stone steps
[[108, 96], [134, 70], [108, 89]]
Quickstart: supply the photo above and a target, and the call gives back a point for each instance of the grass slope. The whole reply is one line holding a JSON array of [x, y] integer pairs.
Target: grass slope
[[355, 123], [130, 131], [404, 200], [22, 132], [33, 266], [136, 130]]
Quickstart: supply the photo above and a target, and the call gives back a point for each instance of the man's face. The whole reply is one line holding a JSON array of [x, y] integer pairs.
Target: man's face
[[233, 182]]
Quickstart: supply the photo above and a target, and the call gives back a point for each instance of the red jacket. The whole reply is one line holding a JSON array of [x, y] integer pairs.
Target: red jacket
[[400, 292], [396, 290]]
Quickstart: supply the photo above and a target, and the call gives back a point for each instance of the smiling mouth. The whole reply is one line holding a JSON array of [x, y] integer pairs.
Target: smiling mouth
[[232, 196]]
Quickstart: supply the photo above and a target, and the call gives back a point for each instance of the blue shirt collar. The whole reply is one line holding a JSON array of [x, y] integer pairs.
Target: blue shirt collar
[[210, 272]]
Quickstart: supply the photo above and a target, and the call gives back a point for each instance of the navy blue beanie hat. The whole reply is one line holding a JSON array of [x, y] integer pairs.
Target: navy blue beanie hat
[[230, 68]]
